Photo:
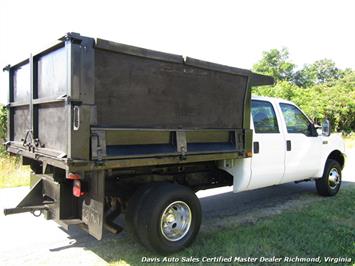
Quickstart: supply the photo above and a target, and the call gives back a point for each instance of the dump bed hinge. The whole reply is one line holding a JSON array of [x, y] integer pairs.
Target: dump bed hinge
[[31, 143], [6, 68], [181, 144], [72, 36]]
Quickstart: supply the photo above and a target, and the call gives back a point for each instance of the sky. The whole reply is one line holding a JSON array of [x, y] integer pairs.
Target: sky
[[232, 32]]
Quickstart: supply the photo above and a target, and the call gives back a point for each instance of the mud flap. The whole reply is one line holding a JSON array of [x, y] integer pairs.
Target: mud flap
[[93, 204]]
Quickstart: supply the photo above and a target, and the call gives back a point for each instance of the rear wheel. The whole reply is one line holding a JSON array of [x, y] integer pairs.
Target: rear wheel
[[133, 207], [169, 218], [329, 184]]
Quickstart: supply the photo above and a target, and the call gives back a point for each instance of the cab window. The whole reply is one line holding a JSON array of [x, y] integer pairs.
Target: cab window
[[296, 121], [264, 117]]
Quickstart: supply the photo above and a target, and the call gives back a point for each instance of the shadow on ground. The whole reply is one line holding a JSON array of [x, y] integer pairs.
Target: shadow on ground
[[227, 210]]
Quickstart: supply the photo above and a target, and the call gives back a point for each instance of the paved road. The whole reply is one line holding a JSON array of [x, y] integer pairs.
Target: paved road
[[26, 240]]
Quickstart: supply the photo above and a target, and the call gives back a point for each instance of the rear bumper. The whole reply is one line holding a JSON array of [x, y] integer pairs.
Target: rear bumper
[[56, 202]]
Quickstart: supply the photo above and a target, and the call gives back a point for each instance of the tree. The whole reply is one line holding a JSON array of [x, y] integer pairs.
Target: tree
[[3, 123], [305, 77], [334, 100], [320, 72], [275, 63]]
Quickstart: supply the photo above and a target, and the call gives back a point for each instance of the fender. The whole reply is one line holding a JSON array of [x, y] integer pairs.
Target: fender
[[240, 169], [333, 148]]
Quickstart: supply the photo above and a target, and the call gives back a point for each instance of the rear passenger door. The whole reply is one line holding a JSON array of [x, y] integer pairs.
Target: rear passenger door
[[268, 161]]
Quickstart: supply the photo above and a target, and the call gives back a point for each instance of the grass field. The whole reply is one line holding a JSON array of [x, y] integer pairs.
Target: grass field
[[12, 173], [325, 228]]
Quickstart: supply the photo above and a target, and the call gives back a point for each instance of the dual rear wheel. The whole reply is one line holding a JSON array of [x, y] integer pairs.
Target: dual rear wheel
[[164, 217]]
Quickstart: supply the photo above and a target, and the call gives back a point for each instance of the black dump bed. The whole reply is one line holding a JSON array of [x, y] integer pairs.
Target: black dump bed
[[94, 103]]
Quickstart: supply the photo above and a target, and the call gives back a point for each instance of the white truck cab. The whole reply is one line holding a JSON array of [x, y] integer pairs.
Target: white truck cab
[[287, 147]]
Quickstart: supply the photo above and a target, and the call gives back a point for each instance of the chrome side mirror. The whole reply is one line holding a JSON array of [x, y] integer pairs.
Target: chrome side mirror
[[326, 128]]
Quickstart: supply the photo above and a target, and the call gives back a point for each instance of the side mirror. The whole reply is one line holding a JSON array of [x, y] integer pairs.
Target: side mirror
[[318, 129], [326, 128]]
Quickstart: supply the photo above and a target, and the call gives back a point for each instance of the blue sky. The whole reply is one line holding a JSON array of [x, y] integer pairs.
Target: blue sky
[[229, 32]]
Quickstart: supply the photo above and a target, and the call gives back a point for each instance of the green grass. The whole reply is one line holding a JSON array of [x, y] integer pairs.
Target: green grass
[[323, 228], [12, 173]]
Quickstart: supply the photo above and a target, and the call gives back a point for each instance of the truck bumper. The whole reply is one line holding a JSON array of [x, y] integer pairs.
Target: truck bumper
[[56, 202]]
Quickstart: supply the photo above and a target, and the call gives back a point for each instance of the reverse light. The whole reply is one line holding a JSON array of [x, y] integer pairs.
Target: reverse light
[[77, 189]]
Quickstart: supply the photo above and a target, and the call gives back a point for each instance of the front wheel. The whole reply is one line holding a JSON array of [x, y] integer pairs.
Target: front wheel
[[169, 218], [330, 182]]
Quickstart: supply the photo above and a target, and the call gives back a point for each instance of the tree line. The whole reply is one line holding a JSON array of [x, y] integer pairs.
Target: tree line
[[321, 89]]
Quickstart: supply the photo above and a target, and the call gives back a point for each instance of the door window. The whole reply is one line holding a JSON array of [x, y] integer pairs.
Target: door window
[[264, 117], [296, 121]]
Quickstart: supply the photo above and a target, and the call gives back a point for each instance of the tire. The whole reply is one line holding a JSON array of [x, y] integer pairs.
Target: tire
[[133, 207], [169, 218], [329, 184]]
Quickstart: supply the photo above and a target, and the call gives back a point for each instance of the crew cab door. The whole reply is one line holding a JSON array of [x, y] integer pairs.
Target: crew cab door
[[268, 161], [303, 145]]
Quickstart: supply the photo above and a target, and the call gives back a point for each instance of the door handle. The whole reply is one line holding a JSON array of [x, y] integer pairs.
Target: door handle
[[288, 145], [256, 147], [76, 118]]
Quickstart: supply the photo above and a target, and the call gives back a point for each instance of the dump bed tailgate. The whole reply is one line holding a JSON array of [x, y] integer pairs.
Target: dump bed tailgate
[[37, 111]]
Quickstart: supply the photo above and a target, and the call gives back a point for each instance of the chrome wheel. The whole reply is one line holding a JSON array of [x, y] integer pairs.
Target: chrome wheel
[[175, 221], [333, 178]]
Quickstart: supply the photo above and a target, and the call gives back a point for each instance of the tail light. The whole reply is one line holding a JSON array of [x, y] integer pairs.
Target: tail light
[[73, 176], [77, 189]]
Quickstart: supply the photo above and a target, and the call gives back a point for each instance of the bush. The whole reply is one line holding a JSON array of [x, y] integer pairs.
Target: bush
[[334, 100], [3, 127]]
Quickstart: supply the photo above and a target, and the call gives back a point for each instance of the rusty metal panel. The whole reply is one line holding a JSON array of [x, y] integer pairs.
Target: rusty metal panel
[[133, 91]]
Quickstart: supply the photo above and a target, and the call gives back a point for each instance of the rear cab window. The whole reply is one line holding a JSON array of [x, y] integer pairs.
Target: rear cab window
[[264, 117]]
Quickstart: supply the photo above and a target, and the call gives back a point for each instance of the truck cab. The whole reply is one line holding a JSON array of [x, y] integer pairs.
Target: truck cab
[[287, 147]]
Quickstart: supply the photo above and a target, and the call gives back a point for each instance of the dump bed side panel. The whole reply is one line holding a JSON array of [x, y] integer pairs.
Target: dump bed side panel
[[83, 101], [138, 92]]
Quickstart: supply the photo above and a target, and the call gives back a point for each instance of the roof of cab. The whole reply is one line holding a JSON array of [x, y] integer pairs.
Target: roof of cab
[[270, 99]]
